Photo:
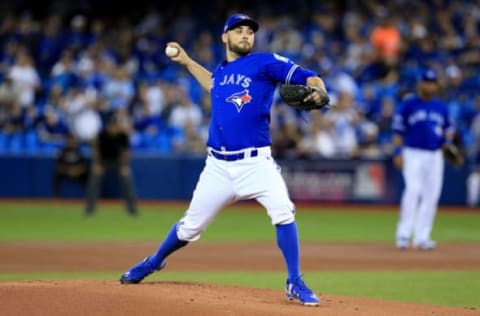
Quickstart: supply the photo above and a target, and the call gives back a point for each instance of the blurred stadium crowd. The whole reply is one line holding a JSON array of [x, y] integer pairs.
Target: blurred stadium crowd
[[66, 70]]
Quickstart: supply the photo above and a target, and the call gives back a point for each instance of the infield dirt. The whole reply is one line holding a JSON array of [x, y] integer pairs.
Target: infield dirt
[[108, 297]]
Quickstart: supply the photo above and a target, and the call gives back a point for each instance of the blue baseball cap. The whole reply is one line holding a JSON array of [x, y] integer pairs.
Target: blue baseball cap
[[429, 75], [239, 19]]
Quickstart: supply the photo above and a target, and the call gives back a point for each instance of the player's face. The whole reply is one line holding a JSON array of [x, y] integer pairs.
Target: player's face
[[427, 89], [240, 40]]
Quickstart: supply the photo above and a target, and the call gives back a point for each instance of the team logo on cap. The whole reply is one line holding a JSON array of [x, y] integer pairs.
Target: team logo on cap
[[239, 99]]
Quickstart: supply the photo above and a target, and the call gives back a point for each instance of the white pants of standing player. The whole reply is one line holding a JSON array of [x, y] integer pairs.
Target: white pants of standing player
[[224, 182], [423, 175]]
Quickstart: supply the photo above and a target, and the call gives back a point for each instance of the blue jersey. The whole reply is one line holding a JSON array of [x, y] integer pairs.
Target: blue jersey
[[422, 123], [242, 96]]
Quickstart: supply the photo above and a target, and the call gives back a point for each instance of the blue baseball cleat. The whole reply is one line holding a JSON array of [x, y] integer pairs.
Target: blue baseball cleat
[[297, 289], [139, 271]]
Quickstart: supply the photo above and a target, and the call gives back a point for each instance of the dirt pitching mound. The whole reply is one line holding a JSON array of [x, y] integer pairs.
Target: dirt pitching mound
[[89, 297]]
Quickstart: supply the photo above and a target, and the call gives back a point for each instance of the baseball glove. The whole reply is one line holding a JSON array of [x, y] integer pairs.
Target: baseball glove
[[294, 96], [452, 154]]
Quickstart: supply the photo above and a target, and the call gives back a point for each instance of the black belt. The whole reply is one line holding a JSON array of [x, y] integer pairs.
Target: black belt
[[233, 157]]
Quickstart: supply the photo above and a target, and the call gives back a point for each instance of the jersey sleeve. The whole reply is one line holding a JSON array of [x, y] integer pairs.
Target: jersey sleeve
[[284, 70]]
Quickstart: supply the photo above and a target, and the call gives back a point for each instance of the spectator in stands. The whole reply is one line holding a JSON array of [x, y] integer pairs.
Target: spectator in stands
[[386, 40], [70, 164], [343, 119], [51, 44], [77, 36], [119, 90], [384, 122], [63, 71], [25, 78], [368, 145], [288, 40], [151, 96], [16, 119], [111, 150], [192, 142], [148, 127], [82, 115], [285, 130], [52, 129], [318, 142], [6, 100], [7, 57], [358, 53], [184, 115], [27, 32]]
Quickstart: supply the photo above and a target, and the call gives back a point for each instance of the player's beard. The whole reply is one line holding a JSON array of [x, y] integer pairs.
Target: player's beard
[[240, 50]]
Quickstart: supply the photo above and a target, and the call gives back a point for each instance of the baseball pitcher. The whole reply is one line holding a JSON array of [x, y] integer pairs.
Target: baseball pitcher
[[239, 164]]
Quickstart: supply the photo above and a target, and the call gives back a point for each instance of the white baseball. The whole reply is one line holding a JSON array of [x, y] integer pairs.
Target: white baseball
[[171, 51]]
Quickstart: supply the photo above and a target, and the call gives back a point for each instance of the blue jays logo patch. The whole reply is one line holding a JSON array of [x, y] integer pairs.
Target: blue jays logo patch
[[240, 99]]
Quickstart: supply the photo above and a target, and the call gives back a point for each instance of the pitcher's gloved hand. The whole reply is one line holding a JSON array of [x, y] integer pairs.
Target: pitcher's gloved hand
[[304, 97]]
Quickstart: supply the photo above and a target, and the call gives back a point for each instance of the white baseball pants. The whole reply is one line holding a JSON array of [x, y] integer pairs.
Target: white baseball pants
[[423, 175], [255, 176]]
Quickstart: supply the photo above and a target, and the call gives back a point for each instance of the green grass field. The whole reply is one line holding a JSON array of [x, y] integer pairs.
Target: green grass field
[[62, 221]]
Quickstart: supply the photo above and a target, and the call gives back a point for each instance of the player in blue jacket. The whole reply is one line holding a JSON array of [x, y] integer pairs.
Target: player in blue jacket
[[239, 164], [421, 128]]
